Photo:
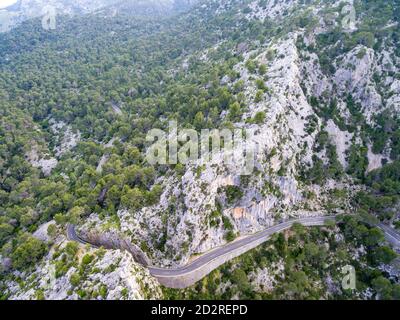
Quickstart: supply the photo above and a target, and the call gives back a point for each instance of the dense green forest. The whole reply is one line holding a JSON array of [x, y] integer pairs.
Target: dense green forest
[[151, 70], [75, 75]]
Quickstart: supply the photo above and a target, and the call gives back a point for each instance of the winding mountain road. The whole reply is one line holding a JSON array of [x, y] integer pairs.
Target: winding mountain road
[[73, 236], [391, 235], [189, 274], [236, 245], [185, 276]]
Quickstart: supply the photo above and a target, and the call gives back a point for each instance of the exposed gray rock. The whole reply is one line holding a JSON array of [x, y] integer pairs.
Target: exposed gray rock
[[112, 240]]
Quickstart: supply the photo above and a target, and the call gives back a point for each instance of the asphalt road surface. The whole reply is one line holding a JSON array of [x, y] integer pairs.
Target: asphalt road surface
[[231, 247], [223, 250], [72, 236], [391, 235]]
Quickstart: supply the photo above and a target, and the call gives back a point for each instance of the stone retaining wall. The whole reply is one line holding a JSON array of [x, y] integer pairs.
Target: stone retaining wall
[[114, 241]]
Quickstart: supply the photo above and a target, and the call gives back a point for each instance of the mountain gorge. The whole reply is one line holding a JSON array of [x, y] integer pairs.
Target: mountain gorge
[[317, 85]]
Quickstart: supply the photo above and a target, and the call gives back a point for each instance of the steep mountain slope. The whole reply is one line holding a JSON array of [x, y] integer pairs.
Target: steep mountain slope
[[321, 96], [28, 9], [309, 144]]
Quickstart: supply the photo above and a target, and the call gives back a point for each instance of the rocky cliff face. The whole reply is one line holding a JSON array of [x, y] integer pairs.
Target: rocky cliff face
[[114, 241], [188, 219], [319, 93]]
